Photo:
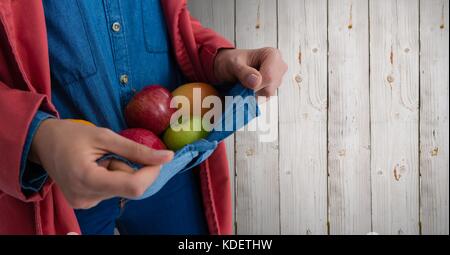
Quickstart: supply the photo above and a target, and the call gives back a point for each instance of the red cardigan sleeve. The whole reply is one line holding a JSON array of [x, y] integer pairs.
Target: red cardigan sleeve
[[17, 109], [24, 87], [208, 45]]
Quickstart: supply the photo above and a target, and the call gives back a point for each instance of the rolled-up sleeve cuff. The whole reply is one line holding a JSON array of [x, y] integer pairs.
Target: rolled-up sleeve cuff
[[32, 176]]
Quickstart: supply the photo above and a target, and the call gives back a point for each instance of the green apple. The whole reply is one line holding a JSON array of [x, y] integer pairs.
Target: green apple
[[180, 134]]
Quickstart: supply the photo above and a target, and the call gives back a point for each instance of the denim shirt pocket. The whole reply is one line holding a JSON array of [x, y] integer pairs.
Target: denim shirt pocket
[[155, 30], [70, 51]]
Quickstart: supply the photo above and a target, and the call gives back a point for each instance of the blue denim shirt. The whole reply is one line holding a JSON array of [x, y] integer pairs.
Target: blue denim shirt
[[101, 53]]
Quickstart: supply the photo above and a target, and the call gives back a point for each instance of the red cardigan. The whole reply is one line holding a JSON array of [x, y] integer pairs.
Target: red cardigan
[[25, 87]]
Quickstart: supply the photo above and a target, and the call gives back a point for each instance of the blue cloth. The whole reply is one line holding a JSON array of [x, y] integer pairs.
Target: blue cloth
[[32, 176], [175, 210], [88, 58], [101, 54]]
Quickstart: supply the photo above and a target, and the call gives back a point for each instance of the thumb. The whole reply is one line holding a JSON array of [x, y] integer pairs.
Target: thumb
[[249, 77]]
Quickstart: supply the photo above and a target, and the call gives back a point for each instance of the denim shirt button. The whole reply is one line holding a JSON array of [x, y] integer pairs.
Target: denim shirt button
[[116, 26], [124, 79]]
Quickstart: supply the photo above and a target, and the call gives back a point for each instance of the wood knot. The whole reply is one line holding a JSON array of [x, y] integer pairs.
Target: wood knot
[[298, 78], [398, 171], [434, 152], [397, 175], [390, 79], [249, 152]]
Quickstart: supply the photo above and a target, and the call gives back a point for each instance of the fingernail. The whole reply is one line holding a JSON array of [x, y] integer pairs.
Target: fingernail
[[252, 80], [163, 153]]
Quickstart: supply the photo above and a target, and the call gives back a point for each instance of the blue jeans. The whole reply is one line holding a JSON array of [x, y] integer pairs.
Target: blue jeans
[[176, 209]]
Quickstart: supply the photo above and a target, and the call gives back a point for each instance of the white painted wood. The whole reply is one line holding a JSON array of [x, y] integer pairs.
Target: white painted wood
[[394, 95], [378, 192], [257, 205], [303, 122], [434, 116], [348, 117], [216, 14], [219, 15]]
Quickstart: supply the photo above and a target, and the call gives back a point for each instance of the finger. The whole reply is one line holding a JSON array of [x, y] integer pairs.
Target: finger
[[105, 163], [87, 205], [267, 92], [133, 151], [272, 70], [114, 164], [248, 76], [118, 183], [145, 177], [117, 165], [271, 76]]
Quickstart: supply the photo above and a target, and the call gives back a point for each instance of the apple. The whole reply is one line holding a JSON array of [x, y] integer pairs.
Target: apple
[[180, 134], [144, 137], [187, 90], [150, 109]]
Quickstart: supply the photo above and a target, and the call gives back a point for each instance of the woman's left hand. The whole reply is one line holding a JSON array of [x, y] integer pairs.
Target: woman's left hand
[[260, 69]]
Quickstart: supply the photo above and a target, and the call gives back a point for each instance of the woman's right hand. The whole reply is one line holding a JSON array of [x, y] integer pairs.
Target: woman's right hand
[[69, 152]]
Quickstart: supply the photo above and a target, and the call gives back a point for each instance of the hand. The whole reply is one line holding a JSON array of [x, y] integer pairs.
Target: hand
[[68, 151], [261, 69]]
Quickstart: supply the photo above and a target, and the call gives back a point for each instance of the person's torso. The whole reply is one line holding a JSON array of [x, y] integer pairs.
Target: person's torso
[[102, 52]]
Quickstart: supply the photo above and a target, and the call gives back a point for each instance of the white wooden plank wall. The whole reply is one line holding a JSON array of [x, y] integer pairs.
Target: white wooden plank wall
[[257, 182], [348, 117], [394, 97], [363, 116], [434, 107], [303, 155]]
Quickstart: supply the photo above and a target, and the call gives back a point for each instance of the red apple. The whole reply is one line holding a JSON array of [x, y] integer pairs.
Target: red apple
[[144, 137], [150, 109]]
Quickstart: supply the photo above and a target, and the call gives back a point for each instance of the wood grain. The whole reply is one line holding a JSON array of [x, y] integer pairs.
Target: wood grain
[[434, 126], [348, 117], [363, 116], [257, 205], [394, 103], [303, 117]]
